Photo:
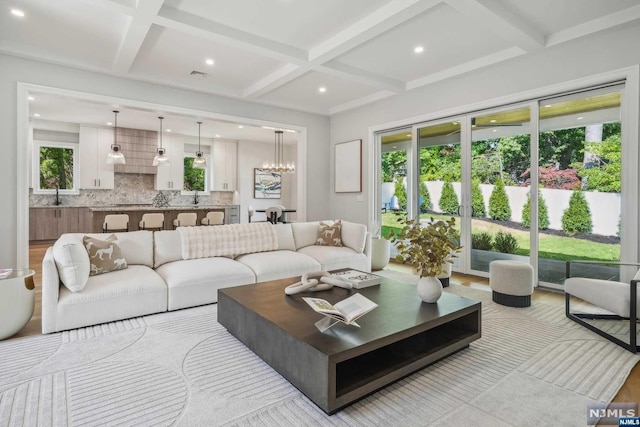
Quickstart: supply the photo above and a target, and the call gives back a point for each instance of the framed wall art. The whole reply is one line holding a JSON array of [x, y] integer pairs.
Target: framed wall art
[[348, 167], [266, 185]]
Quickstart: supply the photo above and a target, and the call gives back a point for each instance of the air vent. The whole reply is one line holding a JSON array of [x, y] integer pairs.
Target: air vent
[[198, 73]]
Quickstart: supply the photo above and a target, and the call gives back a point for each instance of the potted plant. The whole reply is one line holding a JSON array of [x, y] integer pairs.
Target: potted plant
[[429, 248]]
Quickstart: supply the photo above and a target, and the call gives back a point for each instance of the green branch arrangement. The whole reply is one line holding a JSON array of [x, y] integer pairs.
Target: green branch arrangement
[[427, 247]]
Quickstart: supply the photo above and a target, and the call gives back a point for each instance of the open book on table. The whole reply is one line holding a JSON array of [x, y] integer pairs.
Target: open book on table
[[348, 310]]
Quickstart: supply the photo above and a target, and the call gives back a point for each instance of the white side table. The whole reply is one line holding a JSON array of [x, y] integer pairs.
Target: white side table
[[17, 300], [380, 253]]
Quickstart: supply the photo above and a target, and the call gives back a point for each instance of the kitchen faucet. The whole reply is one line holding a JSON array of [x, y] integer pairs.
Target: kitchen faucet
[[195, 197], [57, 202]]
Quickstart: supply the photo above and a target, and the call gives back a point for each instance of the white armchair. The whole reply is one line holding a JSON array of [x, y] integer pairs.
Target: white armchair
[[620, 299]]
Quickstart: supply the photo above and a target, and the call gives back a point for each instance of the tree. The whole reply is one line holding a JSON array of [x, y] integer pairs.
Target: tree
[[56, 168], [193, 178], [606, 165], [499, 203], [477, 200], [401, 193], [543, 216], [448, 199], [394, 164], [561, 179], [577, 217], [425, 197]]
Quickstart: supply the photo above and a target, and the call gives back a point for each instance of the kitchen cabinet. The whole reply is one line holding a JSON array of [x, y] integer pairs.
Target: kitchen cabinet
[[50, 223], [172, 177], [232, 215], [225, 159], [95, 145]]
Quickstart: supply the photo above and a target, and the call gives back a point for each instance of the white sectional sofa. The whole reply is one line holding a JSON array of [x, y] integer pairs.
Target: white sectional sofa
[[159, 279]]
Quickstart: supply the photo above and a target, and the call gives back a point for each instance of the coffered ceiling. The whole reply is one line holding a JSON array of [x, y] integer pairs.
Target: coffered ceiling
[[281, 52]]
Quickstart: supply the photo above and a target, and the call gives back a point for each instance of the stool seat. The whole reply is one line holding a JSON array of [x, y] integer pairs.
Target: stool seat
[[511, 282]]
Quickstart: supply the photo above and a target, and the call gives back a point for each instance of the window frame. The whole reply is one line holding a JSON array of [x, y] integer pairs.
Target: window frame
[[207, 175], [37, 144]]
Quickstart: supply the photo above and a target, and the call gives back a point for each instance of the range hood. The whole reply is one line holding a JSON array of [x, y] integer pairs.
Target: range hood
[[139, 148]]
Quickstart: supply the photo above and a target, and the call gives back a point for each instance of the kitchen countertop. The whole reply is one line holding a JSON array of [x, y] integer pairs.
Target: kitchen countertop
[[151, 208]]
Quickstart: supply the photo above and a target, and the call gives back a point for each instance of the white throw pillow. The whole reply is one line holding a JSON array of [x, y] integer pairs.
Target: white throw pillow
[[305, 233], [285, 237], [72, 262], [354, 235]]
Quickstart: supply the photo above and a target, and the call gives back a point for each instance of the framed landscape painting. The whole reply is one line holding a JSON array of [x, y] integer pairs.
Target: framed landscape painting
[[267, 185]]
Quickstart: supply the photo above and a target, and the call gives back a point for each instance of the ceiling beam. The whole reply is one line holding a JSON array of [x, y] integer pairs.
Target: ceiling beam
[[136, 33], [348, 72], [602, 23], [361, 101], [274, 80], [496, 18], [220, 33]]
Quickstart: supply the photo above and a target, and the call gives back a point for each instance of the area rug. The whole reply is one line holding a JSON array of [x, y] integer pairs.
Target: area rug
[[531, 367]]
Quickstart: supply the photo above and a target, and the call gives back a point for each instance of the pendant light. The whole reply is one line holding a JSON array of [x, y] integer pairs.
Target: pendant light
[[200, 162], [161, 158], [115, 156], [279, 164]]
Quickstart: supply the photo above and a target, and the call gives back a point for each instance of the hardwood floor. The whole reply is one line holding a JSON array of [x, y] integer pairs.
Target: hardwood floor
[[630, 391]]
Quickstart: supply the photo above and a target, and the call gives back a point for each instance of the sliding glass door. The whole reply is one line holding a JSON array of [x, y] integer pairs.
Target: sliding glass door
[[539, 182]]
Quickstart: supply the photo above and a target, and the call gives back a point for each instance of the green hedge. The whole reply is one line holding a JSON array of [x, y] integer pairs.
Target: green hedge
[[543, 215], [449, 199], [499, 203], [477, 200], [577, 217]]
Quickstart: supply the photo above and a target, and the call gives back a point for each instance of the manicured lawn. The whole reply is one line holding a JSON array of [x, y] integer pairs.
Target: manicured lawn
[[551, 247]]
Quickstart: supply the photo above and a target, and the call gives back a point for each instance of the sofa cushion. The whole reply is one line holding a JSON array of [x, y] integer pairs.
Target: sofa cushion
[[305, 233], [354, 235], [167, 247], [72, 261], [284, 233], [121, 294], [329, 234], [333, 258], [196, 281], [278, 264], [136, 246], [104, 255]]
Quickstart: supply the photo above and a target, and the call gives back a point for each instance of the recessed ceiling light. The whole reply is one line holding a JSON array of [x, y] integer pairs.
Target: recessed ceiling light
[[493, 121], [31, 98], [209, 61], [395, 146], [409, 135], [455, 123], [17, 12], [580, 118], [547, 106], [418, 49], [36, 115], [322, 89], [109, 124], [168, 130], [217, 136], [240, 126], [495, 130]]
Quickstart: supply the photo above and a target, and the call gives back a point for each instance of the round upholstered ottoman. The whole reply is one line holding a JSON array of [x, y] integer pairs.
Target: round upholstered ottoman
[[511, 283]]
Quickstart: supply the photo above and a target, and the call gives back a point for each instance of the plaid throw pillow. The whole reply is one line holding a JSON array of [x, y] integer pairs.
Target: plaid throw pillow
[[330, 235], [104, 255]]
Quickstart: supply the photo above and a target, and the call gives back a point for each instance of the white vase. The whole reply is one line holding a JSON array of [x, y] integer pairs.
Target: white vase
[[429, 289]]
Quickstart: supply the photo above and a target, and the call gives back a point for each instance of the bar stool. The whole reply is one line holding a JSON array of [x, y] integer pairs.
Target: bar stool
[[185, 219], [213, 218], [115, 222], [152, 221]]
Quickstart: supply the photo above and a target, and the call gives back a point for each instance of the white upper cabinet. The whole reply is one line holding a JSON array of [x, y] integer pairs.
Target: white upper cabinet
[[95, 144], [171, 177], [225, 160]]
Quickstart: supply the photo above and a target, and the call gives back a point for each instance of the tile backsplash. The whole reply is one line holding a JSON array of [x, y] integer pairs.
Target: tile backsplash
[[131, 189]]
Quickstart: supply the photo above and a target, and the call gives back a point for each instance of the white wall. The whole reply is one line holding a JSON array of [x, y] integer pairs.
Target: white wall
[[605, 51], [14, 70], [252, 155]]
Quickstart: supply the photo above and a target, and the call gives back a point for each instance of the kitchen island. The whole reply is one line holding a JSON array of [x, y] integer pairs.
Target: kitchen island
[[135, 212]]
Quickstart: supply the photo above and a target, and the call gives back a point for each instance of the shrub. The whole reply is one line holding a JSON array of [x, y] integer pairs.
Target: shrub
[[505, 243], [499, 203], [425, 198], [482, 241], [401, 193], [543, 216], [577, 217], [449, 199], [477, 200]]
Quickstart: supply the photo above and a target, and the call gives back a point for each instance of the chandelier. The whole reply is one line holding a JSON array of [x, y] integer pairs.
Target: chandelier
[[278, 164]]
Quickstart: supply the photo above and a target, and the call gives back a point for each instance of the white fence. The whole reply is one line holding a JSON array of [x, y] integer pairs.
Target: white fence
[[605, 207]]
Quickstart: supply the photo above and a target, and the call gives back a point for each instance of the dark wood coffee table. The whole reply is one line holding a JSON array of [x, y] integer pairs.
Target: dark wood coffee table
[[345, 363]]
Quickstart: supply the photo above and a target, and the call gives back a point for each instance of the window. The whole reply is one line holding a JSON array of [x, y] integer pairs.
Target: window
[[56, 167], [194, 179]]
